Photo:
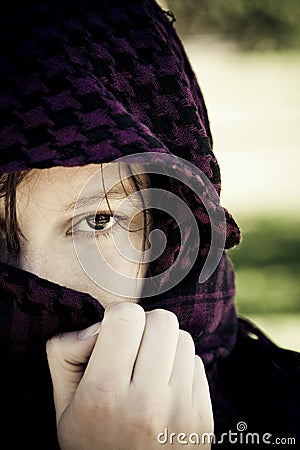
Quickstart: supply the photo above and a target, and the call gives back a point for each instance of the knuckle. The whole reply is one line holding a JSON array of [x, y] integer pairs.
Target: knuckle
[[146, 418], [186, 339], [199, 364], [97, 399], [164, 317], [127, 311], [53, 346]]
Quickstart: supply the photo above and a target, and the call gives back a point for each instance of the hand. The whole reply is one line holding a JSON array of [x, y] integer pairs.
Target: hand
[[121, 387]]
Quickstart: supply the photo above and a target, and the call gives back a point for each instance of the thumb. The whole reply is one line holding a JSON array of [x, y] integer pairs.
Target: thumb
[[68, 354]]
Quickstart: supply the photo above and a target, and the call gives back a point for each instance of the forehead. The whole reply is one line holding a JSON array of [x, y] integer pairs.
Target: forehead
[[71, 180], [65, 184], [77, 177]]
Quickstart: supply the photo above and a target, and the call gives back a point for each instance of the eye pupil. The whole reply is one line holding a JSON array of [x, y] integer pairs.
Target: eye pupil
[[98, 221]]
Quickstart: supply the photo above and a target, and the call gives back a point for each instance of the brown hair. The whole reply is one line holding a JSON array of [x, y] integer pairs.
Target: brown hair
[[8, 188]]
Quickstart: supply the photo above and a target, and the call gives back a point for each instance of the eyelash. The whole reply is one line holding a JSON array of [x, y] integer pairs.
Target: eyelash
[[104, 233]]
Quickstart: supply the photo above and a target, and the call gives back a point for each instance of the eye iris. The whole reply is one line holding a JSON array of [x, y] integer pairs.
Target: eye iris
[[98, 222]]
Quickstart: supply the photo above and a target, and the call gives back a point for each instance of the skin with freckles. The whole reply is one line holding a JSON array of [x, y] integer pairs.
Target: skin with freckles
[[121, 383], [51, 214]]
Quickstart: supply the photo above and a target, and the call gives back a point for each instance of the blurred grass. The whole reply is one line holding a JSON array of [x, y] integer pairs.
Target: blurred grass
[[267, 266], [282, 329], [258, 25], [267, 271]]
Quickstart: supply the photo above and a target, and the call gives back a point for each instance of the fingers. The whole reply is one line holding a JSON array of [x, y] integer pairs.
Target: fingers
[[182, 376], [111, 364], [155, 361], [144, 354], [67, 355], [201, 395]]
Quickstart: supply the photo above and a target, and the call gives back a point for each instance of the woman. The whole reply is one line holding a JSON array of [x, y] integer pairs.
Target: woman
[[110, 294]]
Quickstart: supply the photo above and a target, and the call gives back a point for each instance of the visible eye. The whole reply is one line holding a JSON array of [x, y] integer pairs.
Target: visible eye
[[99, 221], [95, 222]]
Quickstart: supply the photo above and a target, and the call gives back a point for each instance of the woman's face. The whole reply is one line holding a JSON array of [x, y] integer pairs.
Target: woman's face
[[67, 223]]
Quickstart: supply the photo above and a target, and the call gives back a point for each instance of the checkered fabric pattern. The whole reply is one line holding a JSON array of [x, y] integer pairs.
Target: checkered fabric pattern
[[88, 82]]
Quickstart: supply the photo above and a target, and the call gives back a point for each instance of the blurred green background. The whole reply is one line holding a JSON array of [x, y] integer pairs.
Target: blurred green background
[[252, 24], [246, 56]]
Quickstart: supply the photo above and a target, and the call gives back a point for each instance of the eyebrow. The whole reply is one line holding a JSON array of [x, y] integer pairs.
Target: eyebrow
[[117, 192], [93, 200]]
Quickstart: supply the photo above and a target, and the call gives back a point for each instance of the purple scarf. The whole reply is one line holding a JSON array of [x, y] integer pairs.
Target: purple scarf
[[88, 84]]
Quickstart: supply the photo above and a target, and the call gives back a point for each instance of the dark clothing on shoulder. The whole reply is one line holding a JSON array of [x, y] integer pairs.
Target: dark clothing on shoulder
[[262, 384]]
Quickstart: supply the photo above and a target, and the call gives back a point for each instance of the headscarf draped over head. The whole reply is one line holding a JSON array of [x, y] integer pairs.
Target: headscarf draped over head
[[89, 82]]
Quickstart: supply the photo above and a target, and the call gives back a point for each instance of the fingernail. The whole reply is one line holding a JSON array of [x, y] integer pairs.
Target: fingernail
[[90, 331]]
